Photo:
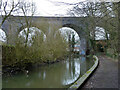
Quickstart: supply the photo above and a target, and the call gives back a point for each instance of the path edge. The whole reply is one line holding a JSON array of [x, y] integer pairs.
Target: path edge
[[81, 80]]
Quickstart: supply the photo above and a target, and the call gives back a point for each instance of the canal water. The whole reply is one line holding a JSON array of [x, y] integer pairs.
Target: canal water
[[58, 75]]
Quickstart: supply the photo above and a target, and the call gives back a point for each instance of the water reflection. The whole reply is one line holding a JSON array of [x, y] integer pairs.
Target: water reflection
[[83, 65], [51, 76], [72, 72]]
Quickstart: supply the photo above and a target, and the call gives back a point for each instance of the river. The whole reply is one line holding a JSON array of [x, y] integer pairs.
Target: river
[[58, 75]]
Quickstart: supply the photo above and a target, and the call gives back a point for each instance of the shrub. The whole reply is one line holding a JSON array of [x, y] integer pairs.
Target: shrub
[[40, 50], [8, 55]]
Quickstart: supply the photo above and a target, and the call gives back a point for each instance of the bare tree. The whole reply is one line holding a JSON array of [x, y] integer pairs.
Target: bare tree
[[108, 17], [27, 9], [6, 9], [107, 14]]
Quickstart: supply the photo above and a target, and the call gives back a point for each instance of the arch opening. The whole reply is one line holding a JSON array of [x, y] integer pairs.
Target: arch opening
[[29, 36], [101, 34], [66, 31], [78, 29], [3, 37], [72, 37]]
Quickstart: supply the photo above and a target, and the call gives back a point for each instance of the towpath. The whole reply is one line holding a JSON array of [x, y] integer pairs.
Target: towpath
[[105, 76]]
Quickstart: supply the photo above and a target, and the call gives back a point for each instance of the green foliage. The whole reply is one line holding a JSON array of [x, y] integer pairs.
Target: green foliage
[[8, 54], [111, 53], [52, 48], [41, 50]]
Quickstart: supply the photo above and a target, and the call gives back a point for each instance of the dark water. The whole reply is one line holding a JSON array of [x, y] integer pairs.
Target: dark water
[[57, 75]]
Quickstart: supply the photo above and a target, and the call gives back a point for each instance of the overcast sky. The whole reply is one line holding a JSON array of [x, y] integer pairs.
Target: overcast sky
[[52, 7]]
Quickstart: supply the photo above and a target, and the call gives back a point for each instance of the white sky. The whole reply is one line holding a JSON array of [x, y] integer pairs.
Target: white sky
[[51, 7], [54, 7]]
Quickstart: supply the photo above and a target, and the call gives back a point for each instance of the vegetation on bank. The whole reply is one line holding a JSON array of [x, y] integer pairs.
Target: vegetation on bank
[[41, 50], [102, 46], [109, 22]]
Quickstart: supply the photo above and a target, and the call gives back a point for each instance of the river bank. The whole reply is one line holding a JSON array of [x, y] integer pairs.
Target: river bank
[[57, 75], [8, 70], [18, 58]]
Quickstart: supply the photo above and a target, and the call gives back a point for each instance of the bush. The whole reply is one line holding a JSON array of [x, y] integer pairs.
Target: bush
[[39, 51], [111, 53], [8, 55]]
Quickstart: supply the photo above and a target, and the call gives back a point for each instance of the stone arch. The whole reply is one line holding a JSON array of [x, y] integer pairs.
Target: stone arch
[[31, 34], [77, 23], [25, 26], [102, 32], [81, 34], [78, 29], [64, 30], [5, 27], [3, 36]]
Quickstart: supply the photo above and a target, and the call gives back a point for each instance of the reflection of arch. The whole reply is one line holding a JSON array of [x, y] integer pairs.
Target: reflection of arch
[[3, 36]]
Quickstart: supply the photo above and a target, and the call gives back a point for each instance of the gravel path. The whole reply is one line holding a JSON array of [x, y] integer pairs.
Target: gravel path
[[105, 76]]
